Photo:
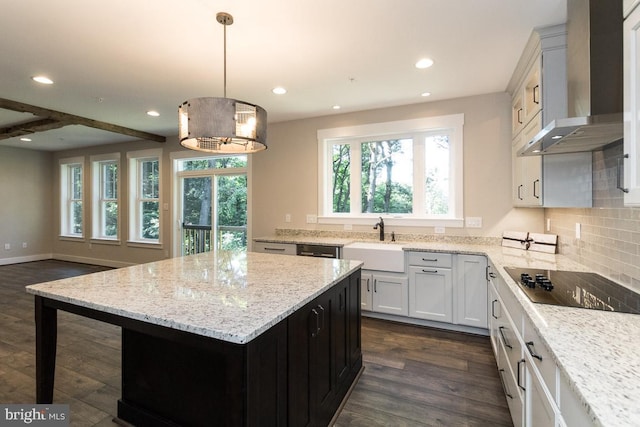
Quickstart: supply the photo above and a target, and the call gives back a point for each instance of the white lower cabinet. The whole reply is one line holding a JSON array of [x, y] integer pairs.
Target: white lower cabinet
[[471, 290], [384, 293], [542, 398], [540, 410], [430, 293]]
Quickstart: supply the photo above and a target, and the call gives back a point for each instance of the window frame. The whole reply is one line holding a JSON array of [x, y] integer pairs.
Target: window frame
[[412, 128], [135, 160], [66, 198], [97, 185]]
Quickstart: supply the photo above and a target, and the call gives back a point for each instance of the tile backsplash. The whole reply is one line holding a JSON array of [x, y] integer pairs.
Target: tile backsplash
[[610, 232]]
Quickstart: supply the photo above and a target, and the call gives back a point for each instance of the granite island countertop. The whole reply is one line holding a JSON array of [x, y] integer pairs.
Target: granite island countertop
[[228, 296], [596, 352]]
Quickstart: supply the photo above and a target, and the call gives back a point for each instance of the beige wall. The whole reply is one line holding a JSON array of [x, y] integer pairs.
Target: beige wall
[[285, 176], [610, 233], [283, 180], [25, 204]]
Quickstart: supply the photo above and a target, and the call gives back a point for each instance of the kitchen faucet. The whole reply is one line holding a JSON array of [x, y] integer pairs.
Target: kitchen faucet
[[381, 225]]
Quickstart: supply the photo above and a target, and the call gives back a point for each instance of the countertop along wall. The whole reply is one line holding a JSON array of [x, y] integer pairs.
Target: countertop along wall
[[286, 175]]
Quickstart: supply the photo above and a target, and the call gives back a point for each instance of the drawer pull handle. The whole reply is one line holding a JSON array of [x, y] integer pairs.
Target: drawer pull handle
[[429, 271], [531, 352], [493, 308], [504, 339], [519, 369], [274, 249], [504, 385], [430, 260]]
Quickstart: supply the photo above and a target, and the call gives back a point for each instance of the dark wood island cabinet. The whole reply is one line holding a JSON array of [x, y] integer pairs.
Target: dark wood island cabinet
[[222, 367]]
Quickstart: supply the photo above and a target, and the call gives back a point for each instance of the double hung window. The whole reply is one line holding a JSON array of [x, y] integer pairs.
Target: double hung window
[[72, 197], [144, 196], [106, 185]]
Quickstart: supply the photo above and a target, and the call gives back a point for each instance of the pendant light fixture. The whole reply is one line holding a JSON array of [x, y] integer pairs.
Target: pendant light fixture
[[222, 125]]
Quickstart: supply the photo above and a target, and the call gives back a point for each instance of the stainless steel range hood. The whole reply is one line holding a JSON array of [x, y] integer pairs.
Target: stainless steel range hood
[[594, 75]]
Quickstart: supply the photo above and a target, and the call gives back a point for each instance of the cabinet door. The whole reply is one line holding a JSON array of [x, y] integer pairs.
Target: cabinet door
[[471, 290], [517, 113], [532, 166], [366, 291], [311, 384], [539, 407], [355, 318], [533, 92], [341, 330], [495, 313], [390, 295], [431, 294], [632, 109]]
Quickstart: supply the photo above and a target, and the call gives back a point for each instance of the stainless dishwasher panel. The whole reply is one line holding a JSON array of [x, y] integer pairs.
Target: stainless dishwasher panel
[[320, 251]]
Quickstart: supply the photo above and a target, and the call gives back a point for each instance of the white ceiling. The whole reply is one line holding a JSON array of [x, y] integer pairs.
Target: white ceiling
[[114, 60]]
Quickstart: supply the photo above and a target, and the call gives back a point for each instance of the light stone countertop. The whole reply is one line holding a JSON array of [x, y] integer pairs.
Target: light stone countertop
[[598, 353], [232, 297]]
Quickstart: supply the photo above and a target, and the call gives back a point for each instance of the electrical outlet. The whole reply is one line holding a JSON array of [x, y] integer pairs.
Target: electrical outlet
[[348, 227], [7, 246], [578, 230], [287, 218], [312, 219], [438, 230], [24, 245]]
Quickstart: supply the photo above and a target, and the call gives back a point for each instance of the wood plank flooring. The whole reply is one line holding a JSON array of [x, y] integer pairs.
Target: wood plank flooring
[[413, 376]]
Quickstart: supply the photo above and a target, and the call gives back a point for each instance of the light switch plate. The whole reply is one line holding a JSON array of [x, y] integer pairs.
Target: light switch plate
[[473, 222], [287, 218], [312, 219]]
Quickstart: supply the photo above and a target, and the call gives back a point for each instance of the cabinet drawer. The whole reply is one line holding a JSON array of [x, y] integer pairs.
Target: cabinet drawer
[[275, 248], [541, 356], [513, 393], [430, 259]]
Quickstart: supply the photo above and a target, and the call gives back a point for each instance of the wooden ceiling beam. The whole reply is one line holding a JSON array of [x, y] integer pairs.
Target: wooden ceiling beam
[[28, 128], [72, 119]]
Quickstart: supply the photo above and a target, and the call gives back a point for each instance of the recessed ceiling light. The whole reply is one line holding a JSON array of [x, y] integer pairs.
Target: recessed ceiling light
[[425, 94], [336, 107], [153, 113], [25, 139], [424, 63], [42, 79], [279, 90]]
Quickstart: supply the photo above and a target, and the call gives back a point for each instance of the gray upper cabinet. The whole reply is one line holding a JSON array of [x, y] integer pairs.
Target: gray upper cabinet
[[539, 96]]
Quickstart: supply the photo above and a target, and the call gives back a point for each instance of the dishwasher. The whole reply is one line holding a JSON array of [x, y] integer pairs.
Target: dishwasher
[[319, 251]]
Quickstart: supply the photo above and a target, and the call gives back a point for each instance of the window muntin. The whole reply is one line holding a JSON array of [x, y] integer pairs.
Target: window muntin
[[106, 171], [71, 197], [409, 170]]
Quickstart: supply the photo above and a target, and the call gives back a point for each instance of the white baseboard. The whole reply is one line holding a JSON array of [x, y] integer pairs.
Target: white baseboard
[[428, 323], [93, 261], [27, 258]]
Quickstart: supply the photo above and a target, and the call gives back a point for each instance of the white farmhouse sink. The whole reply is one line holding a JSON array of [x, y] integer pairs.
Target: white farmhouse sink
[[376, 256]]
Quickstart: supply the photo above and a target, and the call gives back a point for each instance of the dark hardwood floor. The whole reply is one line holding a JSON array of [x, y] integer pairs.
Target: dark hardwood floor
[[413, 376]]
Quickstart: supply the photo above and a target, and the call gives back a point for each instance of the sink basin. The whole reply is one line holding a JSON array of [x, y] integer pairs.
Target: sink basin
[[376, 256]]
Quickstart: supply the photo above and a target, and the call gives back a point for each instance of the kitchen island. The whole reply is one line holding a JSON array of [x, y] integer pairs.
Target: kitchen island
[[219, 338]]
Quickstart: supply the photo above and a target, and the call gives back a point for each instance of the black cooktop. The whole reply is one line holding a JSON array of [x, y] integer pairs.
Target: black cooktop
[[575, 289]]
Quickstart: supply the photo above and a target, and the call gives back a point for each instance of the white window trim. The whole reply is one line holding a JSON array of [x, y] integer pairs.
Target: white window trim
[[326, 137], [96, 211], [64, 199], [133, 157]]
